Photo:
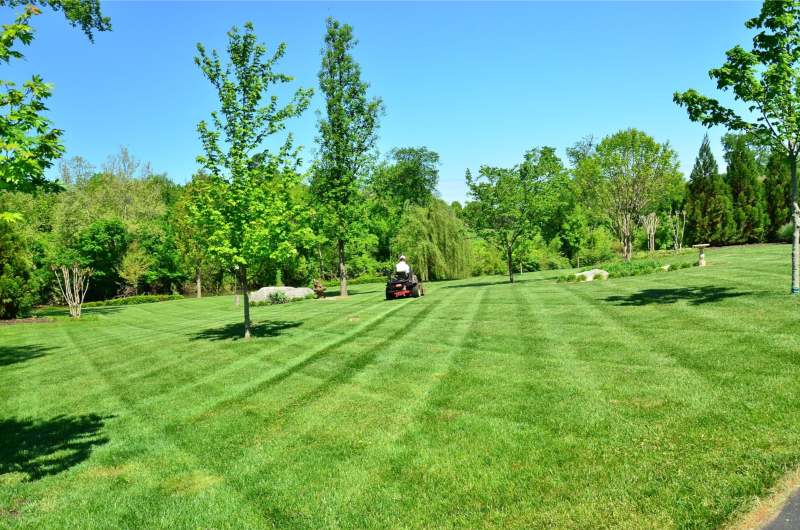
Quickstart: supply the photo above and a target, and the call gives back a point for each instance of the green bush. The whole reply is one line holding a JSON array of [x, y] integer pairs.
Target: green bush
[[18, 287], [785, 233], [567, 278], [134, 300], [278, 297], [281, 299]]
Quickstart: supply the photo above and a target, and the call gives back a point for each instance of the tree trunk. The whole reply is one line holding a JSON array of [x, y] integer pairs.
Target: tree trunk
[[626, 246], [510, 268], [321, 261], [246, 303], [796, 235], [342, 271], [197, 281]]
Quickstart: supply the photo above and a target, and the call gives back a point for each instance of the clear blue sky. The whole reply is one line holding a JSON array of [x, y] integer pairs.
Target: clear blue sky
[[480, 83]]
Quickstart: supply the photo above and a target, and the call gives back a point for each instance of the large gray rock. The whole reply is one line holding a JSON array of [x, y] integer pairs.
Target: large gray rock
[[292, 292], [592, 273]]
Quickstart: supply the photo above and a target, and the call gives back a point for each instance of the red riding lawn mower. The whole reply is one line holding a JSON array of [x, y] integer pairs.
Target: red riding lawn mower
[[403, 285]]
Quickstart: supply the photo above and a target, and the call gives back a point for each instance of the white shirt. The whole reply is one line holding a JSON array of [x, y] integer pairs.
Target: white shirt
[[402, 267]]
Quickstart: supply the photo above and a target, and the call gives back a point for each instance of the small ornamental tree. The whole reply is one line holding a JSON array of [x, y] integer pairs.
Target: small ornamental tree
[[245, 209], [135, 264], [509, 205], [73, 282], [767, 80], [347, 135]]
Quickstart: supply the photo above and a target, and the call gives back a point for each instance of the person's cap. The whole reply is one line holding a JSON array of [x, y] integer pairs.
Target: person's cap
[[402, 258]]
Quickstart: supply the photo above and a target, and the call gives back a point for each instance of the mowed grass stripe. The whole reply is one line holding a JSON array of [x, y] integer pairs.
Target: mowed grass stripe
[[280, 415]]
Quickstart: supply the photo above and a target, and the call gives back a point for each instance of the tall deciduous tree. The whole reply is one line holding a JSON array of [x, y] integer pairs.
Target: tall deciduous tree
[[746, 193], [627, 174], [414, 175], [777, 192], [767, 79], [347, 136], [709, 207], [509, 205], [245, 207]]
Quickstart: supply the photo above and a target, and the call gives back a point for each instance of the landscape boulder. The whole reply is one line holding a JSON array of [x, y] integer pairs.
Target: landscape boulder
[[592, 273], [292, 292]]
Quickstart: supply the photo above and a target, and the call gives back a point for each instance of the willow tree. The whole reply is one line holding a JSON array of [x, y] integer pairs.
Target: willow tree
[[767, 80], [347, 135], [436, 241], [245, 209]]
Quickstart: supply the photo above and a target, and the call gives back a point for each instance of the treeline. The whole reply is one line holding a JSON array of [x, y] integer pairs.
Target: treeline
[[132, 227]]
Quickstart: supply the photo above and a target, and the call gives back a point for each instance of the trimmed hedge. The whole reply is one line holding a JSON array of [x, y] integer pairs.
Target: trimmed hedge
[[134, 300], [355, 281]]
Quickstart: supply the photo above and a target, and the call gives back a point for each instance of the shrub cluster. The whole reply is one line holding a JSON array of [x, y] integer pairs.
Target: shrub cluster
[[624, 269], [279, 297], [134, 300]]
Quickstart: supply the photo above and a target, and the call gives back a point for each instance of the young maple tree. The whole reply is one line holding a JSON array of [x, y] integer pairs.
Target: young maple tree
[[245, 209]]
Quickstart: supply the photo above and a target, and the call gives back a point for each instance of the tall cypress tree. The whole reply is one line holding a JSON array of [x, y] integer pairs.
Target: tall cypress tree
[[709, 212], [749, 211], [777, 192]]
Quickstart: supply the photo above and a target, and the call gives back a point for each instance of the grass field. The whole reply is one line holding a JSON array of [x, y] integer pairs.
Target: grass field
[[661, 401]]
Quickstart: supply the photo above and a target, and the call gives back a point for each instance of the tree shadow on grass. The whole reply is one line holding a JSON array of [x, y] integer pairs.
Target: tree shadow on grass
[[692, 295], [270, 328], [40, 448], [501, 282], [20, 354]]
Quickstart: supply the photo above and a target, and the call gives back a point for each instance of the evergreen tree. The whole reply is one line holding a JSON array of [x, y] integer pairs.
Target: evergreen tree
[[749, 212], [777, 193], [709, 211]]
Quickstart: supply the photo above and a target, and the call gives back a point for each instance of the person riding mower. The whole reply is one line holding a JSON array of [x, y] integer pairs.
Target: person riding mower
[[403, 282]]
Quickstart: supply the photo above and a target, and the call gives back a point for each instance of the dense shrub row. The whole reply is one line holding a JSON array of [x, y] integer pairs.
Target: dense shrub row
[[623, 269], [134, 300]]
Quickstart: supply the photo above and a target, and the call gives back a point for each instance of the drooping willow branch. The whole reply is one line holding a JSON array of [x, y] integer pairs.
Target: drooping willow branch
[[74, 283]]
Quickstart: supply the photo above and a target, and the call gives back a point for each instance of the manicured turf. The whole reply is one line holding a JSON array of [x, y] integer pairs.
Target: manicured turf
[[660, 401]]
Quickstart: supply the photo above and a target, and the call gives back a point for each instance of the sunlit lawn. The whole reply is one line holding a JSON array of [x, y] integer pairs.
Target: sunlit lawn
[[661, 401]]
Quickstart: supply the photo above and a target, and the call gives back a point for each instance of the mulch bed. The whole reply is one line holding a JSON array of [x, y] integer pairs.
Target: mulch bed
[[34, 320]]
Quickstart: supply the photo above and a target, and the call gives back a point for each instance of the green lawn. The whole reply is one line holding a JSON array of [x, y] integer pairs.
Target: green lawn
[[660, 401]]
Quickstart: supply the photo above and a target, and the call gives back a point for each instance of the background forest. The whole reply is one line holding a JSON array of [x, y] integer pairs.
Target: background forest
[[130, 225]]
